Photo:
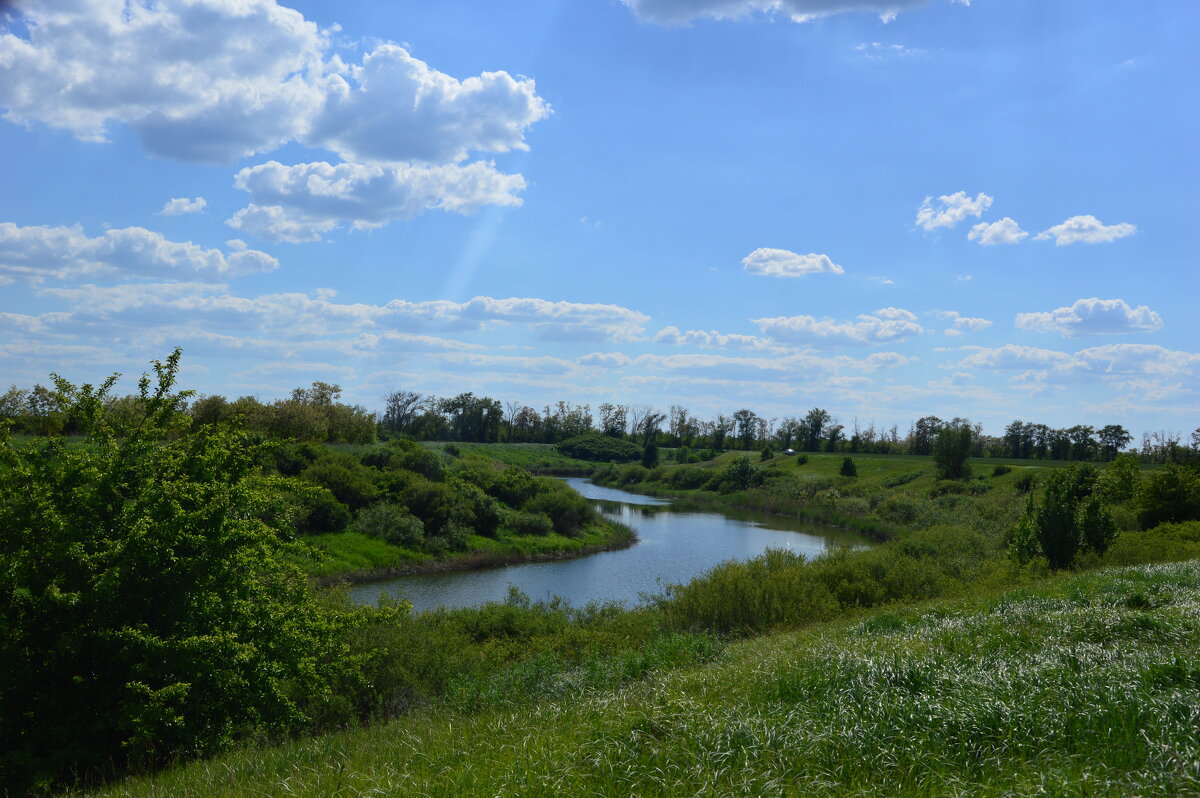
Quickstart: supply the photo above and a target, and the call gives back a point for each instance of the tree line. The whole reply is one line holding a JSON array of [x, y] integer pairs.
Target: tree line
[[317, 414]]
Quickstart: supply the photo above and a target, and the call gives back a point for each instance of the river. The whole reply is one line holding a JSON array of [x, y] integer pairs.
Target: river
[[675, 544]]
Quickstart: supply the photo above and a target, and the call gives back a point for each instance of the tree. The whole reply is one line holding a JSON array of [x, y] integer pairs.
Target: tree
[[951, 449], [746, 424], [849, 469], [399, 410], [148, 611], [1113, 438], [814, 422], [1070, 519], [924, 433], [1171, 494], [650, 455]]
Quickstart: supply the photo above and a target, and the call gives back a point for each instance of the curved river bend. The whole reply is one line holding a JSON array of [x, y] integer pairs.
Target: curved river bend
[[674, 545]]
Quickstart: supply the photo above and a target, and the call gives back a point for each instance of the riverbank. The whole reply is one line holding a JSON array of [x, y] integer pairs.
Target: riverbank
[[352, 558], [1088, 680]]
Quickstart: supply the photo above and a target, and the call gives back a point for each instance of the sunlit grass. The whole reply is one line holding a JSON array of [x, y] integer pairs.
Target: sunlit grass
[[1082, 685]]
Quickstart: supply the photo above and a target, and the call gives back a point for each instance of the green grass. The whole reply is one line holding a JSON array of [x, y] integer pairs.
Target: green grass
[[539, 458], [1081, 685], [352, 555]]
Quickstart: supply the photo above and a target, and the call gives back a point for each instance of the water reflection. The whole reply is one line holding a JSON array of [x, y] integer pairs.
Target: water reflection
[[675, 544]]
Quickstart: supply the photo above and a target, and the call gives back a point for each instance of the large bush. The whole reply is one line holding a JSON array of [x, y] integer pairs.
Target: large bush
[[600, 448], [147, 611]]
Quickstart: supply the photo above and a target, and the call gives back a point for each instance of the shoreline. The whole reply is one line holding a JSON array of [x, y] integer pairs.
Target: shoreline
[[476, 560]]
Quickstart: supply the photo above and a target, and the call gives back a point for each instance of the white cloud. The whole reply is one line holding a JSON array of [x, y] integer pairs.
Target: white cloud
[[679, 12], [887, 325], [960, 323], [305, 201], [951, 209], [1112, 361], [294, 315], [181, 205], [1087, 230], [1005, 231], [607, 360], [1092, 317], [878, 51], [402, 110], [711, 339], [1012, 356], [215, 80], [783, 263], [36, 253]]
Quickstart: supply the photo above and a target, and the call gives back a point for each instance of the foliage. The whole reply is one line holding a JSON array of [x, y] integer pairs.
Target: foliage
[[1001, 470], [523, 523], [767, 454], [567, 510], [1170, 494], [951, 450], [650, 455], [848, 468], [1120, 480], [148, 612], [1069, 519], [740, 474], [392, 523], [600, 448]]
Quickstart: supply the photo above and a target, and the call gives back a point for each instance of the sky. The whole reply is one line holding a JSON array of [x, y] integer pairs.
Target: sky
[[885, 208]]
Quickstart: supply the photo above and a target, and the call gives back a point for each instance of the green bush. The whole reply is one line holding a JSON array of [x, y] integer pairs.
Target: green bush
[[801, 459], [1026, 482], [436, 504], [1070, 519], [632, 475], [767, 454], [685, 478], [849, 469], [1171, 494], [425, 462], [739, 475], [147, 614], [902, 479], [567, 510], [1001, 470], [392, 523], [650, 455], [600, 448], [316, 510], [519, 522], [351, 483]]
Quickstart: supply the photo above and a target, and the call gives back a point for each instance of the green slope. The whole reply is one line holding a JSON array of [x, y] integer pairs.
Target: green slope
[[1081, 685]]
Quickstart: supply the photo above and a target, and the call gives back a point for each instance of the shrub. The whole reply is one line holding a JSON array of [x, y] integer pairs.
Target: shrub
[[435, 503], [649, 455], [452, 450], [597, 447], [1001, 470], [740, 475], [568, 511], [801, 459], [525, 523], [848, 468], [899, 510], [1119, 482], [481, 512], [1171, 494], [767, 454], [1070, 519], [350, 482], [377, 457], [1026, 482], [148, 613], [391, 522], [425, 462], [316, 511], [686, 478], [951, 450], [514, 486], [632, 475]]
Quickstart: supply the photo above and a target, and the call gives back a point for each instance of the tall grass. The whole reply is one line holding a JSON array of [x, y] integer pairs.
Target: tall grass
[[1083, 685]]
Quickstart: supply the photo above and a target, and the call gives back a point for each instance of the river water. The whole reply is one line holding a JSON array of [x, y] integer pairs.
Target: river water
[[675, 544]]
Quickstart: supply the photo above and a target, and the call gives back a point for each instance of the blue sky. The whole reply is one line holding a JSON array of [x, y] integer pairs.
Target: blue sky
[[887, 209]]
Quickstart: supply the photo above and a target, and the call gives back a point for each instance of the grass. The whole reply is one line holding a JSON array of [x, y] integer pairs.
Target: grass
[[352, 556], [538, 458], [1081, 685]]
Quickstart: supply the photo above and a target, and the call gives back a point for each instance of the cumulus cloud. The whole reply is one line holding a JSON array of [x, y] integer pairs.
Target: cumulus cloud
[[951, 209], [1112, 361], [887, 325], [304, 202], [711, 339], [1086, 229], [680, 12], [182, 205], [212, 81], [1012, 356], [36, 253], [960, 324], [1005, 231], [1092, 317], [783, 263]]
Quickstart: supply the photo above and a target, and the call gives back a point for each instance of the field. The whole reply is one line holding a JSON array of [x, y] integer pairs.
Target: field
[[1081, 685]]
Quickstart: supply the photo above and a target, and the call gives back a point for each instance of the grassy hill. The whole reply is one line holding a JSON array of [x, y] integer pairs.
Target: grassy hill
[[1077, 685]]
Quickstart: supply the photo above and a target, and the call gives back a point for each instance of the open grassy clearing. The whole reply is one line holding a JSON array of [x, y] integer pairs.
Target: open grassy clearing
[[1081, 685]]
